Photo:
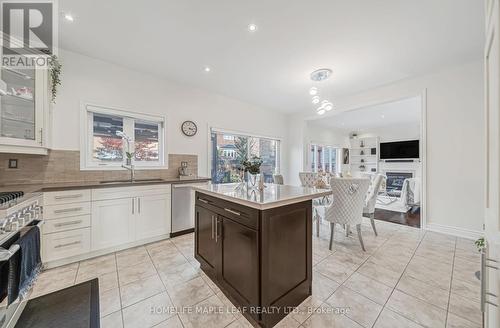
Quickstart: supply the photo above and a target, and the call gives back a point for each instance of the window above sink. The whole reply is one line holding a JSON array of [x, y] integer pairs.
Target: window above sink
[[102, 145]]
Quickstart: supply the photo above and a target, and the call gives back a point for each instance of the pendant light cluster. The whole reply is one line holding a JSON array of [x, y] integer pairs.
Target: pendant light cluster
[[323, 105]]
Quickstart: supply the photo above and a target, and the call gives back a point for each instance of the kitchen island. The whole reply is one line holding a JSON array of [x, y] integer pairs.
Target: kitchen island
[[257, 246]]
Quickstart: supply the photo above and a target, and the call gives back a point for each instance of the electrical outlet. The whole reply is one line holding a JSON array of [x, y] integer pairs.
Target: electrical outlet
[[12, 163]]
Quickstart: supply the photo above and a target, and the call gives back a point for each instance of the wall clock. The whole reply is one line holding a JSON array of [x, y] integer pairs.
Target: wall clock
[[189, 128]]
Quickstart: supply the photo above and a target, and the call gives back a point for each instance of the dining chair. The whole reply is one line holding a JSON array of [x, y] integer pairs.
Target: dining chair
[[278, 179], [309, 179], [371, 198], [347, 207]]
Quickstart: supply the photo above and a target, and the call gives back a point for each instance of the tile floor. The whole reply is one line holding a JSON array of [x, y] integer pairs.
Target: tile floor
[[407, 278]]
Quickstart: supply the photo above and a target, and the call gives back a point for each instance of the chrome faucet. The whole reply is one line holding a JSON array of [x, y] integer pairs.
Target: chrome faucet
[[131, 167], [128, 163]]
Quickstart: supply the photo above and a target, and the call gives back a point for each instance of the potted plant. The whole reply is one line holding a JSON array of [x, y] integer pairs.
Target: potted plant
[[252, 168]]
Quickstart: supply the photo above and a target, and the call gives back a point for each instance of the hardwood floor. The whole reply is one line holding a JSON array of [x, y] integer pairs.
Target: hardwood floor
[[410, 218]]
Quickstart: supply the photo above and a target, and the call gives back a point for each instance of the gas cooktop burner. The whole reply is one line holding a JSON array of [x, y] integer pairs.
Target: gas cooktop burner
[[9, 196]]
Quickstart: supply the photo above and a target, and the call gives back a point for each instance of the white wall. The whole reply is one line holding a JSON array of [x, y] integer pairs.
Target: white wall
[[323, 135], [395, 132], [99, 82], [455, 140]]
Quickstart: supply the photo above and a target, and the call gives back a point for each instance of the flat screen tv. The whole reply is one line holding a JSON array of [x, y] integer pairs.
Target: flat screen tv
[[400, 150]]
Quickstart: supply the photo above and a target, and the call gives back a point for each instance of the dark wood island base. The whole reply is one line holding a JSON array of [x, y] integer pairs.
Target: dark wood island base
[[260, 259]]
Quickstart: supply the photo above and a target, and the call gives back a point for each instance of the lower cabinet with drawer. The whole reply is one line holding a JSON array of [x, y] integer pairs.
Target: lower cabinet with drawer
[[80, 224], [60, 245]]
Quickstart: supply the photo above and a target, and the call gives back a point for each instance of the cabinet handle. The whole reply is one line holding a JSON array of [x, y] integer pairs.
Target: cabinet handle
[[232, 211], [67, 223], [67, 210], [133, 205], [68, 196], [216, 229], [213, 232], [68, 244], [41, 136], [203, 200], [139, 205]]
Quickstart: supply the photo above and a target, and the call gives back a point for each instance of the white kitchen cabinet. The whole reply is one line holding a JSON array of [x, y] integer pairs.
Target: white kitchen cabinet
[[152, 216], [113, 222], [24, 111]]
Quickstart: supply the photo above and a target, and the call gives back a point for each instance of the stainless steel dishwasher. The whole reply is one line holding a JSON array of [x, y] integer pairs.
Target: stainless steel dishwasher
[[183, 208]]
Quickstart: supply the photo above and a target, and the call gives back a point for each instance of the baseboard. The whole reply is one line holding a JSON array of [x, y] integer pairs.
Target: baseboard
[[454, 231]]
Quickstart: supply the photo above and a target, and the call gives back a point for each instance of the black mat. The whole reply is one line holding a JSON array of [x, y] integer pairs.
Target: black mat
[[73, 307]]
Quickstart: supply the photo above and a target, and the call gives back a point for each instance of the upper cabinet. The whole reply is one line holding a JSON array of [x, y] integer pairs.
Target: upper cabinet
[[24, 111]]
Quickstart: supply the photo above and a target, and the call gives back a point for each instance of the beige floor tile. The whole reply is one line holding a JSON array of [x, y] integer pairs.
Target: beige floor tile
[[360, 309], [322, 287], [468, 255], [173, 322], [131, 256], [369, 288], [174, 275], [166, 259], [334, 269], [140, 289], [416, 310], [353, 259], [466, 289], [455, 321], [190, 293], [113, 320], [207, 314], [423, 291], [240, 323], [326, 316], [96, 267], [287, 322], [434, 277], [390, 319], [107, 281], [109, 302], [305, 309], [380, 273], [466, 271], [50, 281], [148, 312], [465, 307], [137, 272]]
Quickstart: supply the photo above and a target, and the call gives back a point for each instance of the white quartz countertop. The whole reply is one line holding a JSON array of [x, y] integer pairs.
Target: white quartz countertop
[[272, 196]]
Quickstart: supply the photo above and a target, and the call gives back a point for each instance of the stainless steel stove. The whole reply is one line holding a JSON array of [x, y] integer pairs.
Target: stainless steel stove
[[17, 210]]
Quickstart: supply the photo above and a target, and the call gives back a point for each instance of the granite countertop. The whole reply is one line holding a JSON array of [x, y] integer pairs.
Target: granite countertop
[[272, 196], [35, 190]]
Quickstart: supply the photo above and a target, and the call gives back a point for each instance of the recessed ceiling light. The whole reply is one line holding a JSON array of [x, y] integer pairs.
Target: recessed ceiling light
[[382, 116], [69, 17], [321, 111], [315, 100], [321, 74], [252, 27], [207, 69], [313, 91], [328, 106]]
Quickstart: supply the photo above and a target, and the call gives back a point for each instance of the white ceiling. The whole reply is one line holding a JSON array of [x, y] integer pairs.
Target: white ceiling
[[367, 43], [404, 113]]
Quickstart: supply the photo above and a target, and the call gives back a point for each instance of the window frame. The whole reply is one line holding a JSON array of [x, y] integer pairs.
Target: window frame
[[87, 163], [313, 155], [242, 134]]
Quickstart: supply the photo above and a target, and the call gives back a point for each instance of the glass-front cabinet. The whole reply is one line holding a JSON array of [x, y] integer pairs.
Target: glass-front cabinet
[[24, 110]]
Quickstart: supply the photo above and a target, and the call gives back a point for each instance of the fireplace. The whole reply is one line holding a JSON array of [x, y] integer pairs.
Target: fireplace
[[394, 183]]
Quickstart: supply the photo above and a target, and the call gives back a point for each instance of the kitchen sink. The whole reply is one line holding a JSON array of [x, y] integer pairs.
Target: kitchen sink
[[129, 181]]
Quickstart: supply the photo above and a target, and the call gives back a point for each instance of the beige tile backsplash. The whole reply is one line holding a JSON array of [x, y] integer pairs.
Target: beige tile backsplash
[[64, 166]]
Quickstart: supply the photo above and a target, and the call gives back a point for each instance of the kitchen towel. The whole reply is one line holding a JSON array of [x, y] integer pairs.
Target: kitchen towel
[[30, 260]]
